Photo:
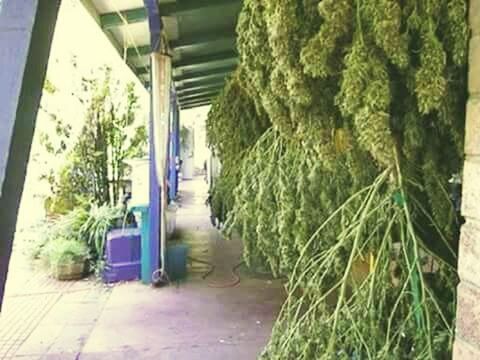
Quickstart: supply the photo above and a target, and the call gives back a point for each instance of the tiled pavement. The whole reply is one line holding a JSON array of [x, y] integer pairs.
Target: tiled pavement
[[40, 312]]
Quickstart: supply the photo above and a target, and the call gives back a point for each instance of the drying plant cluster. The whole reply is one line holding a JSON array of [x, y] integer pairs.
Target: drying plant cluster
[[338, 135]]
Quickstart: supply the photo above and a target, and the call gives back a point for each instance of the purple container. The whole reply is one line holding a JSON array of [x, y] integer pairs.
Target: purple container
[[122, 246], [121, 272], [122, 255]]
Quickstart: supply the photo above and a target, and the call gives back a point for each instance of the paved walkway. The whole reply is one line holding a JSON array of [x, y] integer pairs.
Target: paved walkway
[[42, 316], [195, 319]]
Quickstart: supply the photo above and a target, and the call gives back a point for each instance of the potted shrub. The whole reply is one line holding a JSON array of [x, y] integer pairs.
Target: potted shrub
[[67, 259]]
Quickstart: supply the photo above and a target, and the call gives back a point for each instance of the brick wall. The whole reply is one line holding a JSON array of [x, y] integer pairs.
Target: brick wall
[[467, 342]]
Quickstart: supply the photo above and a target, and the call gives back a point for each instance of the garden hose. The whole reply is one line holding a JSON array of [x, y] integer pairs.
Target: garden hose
[[233, 283], [160, 278], [209, 272]]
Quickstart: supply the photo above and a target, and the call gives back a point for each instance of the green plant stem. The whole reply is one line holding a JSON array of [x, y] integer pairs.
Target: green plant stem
[[363, 219]]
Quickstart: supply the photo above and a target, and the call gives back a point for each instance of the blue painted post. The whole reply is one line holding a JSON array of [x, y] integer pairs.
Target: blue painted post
[[26, 31], [155, 27], [155, 24]]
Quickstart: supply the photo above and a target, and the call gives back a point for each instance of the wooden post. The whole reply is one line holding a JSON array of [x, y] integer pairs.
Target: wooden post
[[26, 31]]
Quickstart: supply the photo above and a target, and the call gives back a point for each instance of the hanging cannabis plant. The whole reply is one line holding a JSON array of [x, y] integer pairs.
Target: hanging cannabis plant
[[233, 126], [347, 194]]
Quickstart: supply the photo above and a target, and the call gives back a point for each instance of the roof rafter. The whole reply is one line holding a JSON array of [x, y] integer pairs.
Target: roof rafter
[[196, 103], [200, 61], [192, 89], [90, 7], [194, 40], [200, 39], [200, 90], [199, 79], [200, 85], [192, 106], [206, 59], [196, 100], [187, 75], [131, 16], [198, 95]]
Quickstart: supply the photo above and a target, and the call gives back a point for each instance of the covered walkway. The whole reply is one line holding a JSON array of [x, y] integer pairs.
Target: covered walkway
[[186, 321]]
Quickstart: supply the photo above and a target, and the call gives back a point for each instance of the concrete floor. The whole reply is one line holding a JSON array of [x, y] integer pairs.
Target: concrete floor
[[194, 319]]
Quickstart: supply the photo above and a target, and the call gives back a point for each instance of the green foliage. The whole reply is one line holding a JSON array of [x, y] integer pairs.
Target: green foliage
[[64, 251], [221, 193], [184, 133], [318, 55], [66, 228], [95, 167], [80, 232], [387, 31], [430, 79], [94, 230], [366, 103], [57, 145], [229, 140], [49, 87], [456, 36]]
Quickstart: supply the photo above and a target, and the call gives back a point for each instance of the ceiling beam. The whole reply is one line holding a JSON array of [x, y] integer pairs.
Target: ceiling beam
[[196, 100], [199, 79], [196, 103], [206, 38], [192, 106], [139, 50], [184, 98], [200, 90], [199, 61], [206, 59], [200, 85], [90, 7], [142, 70], [202, 39], [186, 75], [131, 16]]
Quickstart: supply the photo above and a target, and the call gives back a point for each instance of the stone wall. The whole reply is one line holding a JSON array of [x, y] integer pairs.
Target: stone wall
[[467, 342]]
